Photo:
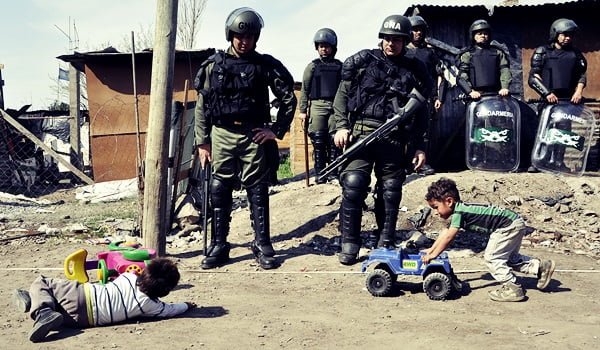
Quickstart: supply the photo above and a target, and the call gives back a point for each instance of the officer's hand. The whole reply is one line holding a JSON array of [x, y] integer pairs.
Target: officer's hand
[[437, 105], [503, 92], [262, 135], [419, 159], [552, 98], [204, 154], [341, 138], [576, 98], [475, 95], [302, 117]]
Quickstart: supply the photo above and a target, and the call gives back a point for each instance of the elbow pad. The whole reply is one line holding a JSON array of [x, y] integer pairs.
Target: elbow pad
[[538, 86]]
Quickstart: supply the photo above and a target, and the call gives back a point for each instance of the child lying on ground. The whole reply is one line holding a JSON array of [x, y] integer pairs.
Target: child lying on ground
[[505, 228], [54, 303]]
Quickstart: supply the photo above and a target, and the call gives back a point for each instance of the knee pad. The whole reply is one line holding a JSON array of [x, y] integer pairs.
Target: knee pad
[[220, 192], [355, 186], [319, 138]]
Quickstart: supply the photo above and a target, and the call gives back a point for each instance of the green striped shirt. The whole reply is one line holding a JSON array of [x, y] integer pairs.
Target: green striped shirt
[[482, 218]]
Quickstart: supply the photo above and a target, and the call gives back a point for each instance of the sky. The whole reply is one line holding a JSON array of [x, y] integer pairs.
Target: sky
[[35, 32]]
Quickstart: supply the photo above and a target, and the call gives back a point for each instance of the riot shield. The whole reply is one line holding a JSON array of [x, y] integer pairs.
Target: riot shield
[[493, 134], [563, 138]]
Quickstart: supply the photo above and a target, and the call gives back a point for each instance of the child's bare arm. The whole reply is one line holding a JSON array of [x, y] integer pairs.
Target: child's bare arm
[[440, 244]]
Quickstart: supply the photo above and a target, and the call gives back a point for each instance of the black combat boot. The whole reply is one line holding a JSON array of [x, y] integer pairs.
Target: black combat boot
[[334, 153], [355, 186], [262, 248], [319, 141], [218, 251], [390, 197], [350, 220]]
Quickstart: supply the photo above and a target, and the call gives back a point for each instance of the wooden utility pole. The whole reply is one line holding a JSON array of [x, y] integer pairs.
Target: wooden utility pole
[[161, 93], [74, 103]]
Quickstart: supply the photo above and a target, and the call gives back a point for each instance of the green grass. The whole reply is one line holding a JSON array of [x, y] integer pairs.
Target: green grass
[[285, 169]]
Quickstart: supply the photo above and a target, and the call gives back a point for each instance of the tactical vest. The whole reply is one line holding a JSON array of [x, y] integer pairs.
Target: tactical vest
[[377, 86], [325, 79], [238, 91], [427, 56], [558, 71], [484, 71]]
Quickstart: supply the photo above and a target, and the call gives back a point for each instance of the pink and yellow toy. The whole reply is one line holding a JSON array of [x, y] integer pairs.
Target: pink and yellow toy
[[121, 257]]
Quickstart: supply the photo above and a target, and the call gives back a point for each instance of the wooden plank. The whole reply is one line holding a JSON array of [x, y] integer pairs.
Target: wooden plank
[[45, 147]]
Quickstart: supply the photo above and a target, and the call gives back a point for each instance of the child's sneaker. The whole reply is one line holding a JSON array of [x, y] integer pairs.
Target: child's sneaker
[[508, 292], [46, 320], [22, 300], [545, 273]]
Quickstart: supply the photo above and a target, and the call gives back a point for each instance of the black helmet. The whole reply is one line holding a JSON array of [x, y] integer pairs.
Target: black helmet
[[243, 21], [479, 25], [325, 35], [560, 26], [418, 21], [395, 25]]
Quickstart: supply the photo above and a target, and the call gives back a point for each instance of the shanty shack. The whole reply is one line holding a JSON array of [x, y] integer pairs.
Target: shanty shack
[[114, 137]]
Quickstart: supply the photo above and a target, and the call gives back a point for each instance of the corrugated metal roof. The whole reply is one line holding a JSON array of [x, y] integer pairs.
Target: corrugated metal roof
[[491, 4]]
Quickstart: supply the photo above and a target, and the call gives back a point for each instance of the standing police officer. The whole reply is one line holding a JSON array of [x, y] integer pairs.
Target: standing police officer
[[232, 130], [319, 84], [483, 65], [418, 48], [558, 70], [374, 83]]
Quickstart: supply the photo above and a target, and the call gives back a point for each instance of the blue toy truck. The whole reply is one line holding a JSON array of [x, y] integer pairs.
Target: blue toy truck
[[438, 278]]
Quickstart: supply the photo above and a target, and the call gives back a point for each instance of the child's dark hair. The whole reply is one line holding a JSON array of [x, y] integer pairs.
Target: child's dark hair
[[158, 278], [441, 189]]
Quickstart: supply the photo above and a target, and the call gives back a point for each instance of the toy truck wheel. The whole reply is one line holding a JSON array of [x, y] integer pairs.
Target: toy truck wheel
[[437, 286], [379, 283]]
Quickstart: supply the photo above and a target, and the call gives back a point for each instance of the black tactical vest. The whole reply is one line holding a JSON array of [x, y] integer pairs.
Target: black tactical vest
[[238, 92], [558, 71], [427, 56], [381, 82], [484, 69], [325, 79]]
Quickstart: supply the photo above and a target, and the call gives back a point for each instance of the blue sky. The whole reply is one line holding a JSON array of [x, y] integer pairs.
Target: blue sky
[[29, 52]]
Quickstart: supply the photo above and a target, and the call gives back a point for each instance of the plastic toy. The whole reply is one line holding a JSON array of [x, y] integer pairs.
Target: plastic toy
[[121, 257], [438, 278]]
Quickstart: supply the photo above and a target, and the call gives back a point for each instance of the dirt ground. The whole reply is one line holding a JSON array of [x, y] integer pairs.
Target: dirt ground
[[312, 301]]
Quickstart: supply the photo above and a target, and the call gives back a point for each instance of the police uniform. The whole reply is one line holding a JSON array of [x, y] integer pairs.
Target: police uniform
[[485, 68], [319, 85], [233, 99], [372, 86], [561, 70]]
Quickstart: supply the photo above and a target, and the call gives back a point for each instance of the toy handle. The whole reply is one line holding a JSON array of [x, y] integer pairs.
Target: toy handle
[[75, 267]]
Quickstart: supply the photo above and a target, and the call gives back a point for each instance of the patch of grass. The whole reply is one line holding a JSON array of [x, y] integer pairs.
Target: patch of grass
[[285, 168]]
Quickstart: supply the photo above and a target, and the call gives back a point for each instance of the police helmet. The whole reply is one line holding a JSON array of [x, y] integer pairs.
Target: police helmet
[[395, 25], [243, 21], [479, 25], [560, 26], [418, 21], [325, 35]]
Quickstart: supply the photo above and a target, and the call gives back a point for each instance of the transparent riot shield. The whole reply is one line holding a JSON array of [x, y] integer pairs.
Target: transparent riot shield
[[493, 134], [563, 138]]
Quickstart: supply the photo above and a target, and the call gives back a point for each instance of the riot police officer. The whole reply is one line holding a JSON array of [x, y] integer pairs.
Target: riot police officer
[[374, 83], [232, 130], [418, 48], [319, 84], [483, 65], [558, 71]]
